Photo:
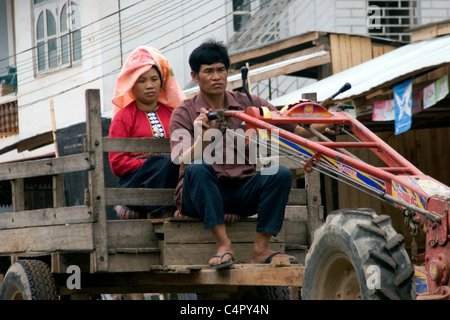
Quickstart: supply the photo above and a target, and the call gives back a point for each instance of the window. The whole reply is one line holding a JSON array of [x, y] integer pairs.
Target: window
[[241, 13], [58, 34], [272, 34], [70, 33], [394, 18], [9, 122]]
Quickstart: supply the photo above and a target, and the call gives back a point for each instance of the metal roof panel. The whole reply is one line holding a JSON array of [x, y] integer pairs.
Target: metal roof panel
[[395, 65]]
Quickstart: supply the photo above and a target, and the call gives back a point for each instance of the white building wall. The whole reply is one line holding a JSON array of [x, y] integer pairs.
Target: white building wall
[[175, 27], [343, 16]]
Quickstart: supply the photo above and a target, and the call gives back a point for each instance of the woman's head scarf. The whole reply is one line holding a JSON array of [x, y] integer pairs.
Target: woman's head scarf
[[141, 60]]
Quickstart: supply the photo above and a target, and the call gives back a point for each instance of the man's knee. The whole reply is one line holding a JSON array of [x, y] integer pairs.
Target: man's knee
[[199, 171], [282, 174], [278, 171]]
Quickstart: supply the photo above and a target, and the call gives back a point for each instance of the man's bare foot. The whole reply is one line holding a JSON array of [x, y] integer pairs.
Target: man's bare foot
[[267, 255], [224, 254]]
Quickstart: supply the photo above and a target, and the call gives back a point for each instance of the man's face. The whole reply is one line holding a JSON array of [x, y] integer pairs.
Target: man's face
[[212, 78]]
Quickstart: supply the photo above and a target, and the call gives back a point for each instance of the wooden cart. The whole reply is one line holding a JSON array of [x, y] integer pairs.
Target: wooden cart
[[55, 247]]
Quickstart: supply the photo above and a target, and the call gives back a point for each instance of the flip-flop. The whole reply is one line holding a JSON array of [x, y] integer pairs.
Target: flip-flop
[[223, 264], [270, 256]]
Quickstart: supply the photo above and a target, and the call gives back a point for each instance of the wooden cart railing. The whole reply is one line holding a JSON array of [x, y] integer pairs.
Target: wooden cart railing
[[136, 255]]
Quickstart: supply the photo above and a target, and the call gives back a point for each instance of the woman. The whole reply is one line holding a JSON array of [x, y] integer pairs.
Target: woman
[[146, 92]]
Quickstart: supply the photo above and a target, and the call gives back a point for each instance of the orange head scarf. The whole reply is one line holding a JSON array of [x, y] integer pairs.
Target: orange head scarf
[[139, 62]]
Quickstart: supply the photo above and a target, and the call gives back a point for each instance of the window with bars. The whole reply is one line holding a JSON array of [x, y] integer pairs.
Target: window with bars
[[393, 17], [58, 34], [272, 34], [9, 122], [38, 193], [241, 13]]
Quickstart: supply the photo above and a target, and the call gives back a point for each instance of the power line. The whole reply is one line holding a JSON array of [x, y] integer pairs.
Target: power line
[[97, 50], [91, 40], [140, 34]]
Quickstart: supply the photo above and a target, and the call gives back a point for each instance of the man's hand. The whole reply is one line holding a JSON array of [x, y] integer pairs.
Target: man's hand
[[332, 130], [319, 127], [201, 124], [202, 121]]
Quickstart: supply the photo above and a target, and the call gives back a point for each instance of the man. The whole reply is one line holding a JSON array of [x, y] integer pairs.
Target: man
[[208, 190]]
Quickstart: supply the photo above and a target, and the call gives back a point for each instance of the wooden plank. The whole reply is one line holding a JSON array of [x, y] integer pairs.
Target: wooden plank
[[423, 34], [258, 52], [270, 276], [59, 197], [96, 179], [366, 49], [285, 70], [443, 29], [47, 239], [199, 280], [429, 32], [315, 209], [192, 254], [129, 262], [297, 197], [45, 217], [295, 225], [194, 232], [132, 234], [18, 194], [136, 145], [44, 167], [35, 142], [335, 53], [283, 58], [164, 197], [346, 54], [377, 51], [387, 49], [137, 197], [355, 47]]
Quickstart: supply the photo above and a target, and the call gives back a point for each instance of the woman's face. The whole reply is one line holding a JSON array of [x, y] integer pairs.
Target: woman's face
[[147, 87]]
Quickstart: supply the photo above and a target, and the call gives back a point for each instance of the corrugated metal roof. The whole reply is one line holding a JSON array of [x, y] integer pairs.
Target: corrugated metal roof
[[393, 66]]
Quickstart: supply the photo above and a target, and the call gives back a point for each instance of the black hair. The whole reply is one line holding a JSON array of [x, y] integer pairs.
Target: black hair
[[159, 74], [209, 52]]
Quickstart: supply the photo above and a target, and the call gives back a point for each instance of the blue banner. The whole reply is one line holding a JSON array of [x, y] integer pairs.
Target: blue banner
[[403, 106]]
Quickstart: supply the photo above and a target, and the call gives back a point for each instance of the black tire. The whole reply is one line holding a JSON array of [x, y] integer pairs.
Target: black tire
[[29, 280], [351, 241], [262, 293]]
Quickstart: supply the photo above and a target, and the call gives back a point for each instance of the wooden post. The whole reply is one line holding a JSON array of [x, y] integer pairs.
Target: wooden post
[[94, 145], [59, 199], [55, 142], [18, 194], [248, 79], [312, 181]]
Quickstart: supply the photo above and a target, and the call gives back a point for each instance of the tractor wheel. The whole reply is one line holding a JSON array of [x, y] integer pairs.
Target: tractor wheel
[[29, 280], [357, 254]]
